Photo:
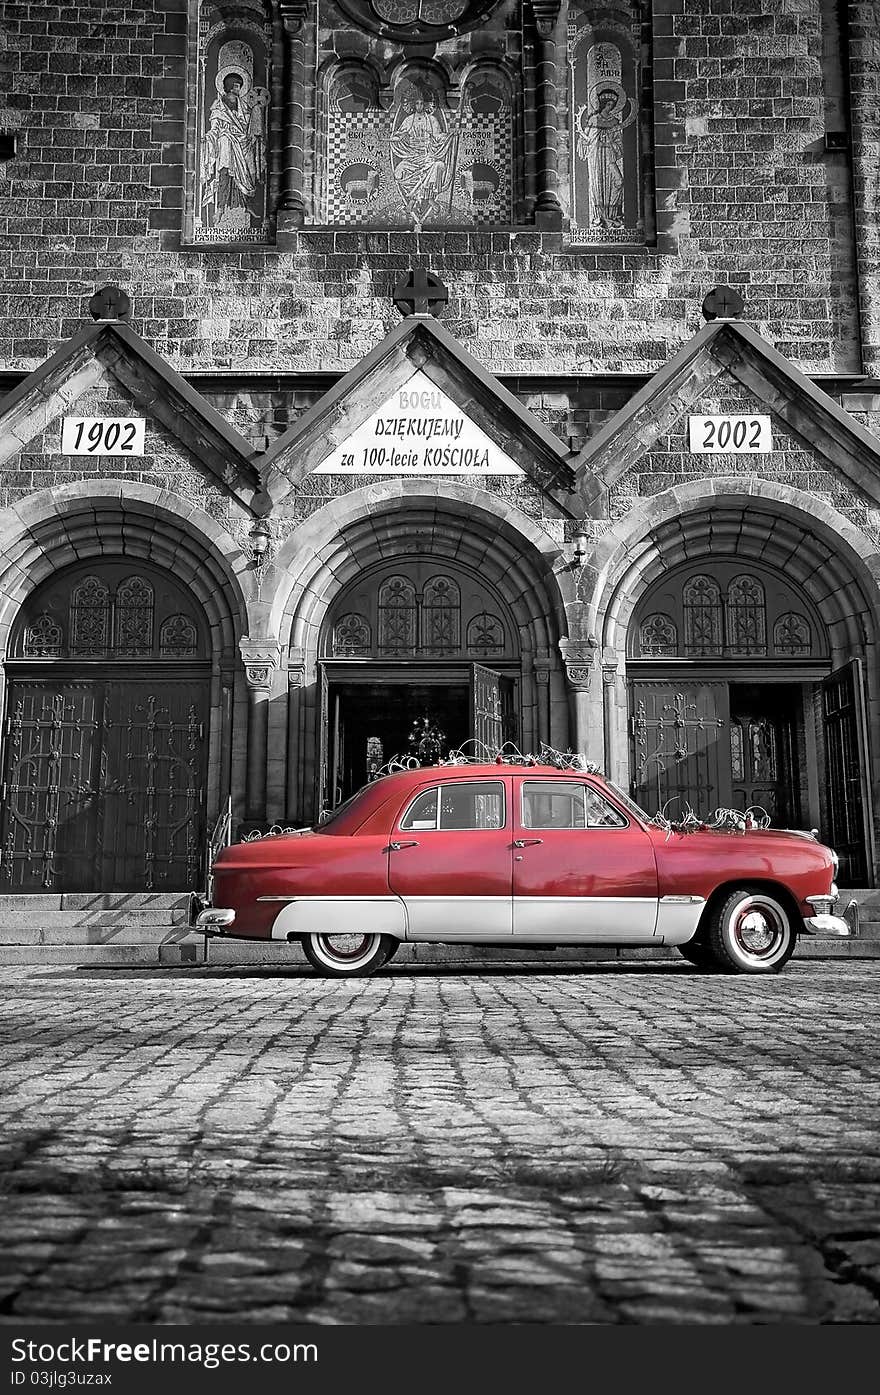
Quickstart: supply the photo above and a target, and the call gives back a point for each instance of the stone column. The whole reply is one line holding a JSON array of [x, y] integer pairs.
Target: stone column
[[290, 45], [548, 210], [260, 662], [585, 697], [296, 676], [542, 690]]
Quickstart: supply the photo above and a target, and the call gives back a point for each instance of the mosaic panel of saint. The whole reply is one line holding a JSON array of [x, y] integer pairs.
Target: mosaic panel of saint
[[419, 163], [604, 115], [233, 119]]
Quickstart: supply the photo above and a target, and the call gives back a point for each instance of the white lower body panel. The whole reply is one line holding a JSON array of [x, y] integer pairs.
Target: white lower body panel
[[575, 919], [340, 915], [459, 919], [495, 919]]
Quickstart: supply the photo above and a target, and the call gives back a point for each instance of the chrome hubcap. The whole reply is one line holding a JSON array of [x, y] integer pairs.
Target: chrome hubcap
[[759, 930], [345, 947]]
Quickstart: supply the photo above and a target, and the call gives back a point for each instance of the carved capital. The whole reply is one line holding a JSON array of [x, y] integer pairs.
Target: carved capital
[[542, 676], [579, 676], [293, 14], [260, 658], [296, 675], [546, 14]]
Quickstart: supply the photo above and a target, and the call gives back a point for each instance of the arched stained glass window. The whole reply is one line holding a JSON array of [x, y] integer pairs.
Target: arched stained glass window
[[441, 617], [485, 635], [89, 618], [134, 617], [177, 638], [702, 616], [397, 617], [746, 617], [351, 636], [43, 638], [658, 636], [793, 635]]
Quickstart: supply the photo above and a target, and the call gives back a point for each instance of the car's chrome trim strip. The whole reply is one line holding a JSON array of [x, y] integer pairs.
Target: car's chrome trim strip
[[325, 898], [682, 900]]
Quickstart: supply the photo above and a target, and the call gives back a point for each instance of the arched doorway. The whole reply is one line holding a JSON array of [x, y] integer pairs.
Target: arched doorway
[[105, 754], [505, 566], [418, 656], [749, 628], [722, 662]]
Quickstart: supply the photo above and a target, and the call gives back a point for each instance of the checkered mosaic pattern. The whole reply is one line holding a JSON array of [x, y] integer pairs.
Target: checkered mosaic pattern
[[360, 189]]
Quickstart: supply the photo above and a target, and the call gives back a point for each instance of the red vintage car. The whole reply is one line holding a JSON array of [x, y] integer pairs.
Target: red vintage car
[[521, 854]]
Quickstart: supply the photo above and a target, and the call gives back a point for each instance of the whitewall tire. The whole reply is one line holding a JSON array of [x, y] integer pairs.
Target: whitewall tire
[[348, 955], [751, 932]]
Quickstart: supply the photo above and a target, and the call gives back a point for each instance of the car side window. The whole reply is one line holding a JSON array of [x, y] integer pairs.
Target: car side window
[[564, 804], [422, 813], [471, 804]]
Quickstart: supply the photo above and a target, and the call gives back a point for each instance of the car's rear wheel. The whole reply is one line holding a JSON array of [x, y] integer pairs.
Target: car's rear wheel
[[348, 955], [751, 932]]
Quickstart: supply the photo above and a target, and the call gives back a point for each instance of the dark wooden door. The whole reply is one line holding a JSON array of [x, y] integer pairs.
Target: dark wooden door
[[679, 755], [763, 751], [487, 709], [104, 785], [846, 757]]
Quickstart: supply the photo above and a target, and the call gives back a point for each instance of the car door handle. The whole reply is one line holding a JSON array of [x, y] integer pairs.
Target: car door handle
[[526, 842], [395, 847]]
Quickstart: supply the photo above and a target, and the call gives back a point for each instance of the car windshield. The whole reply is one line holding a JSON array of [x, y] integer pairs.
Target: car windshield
[[629, 803]]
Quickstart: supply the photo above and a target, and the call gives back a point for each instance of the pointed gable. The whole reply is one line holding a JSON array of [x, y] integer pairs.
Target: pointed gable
[[727, 351], [419, 404], [112, 349]]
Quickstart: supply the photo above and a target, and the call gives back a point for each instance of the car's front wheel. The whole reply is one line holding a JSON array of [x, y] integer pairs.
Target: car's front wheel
[[348, 955], [751, 932]]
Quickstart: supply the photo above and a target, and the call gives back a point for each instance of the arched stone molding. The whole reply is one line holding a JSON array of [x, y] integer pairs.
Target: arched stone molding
[[54, 528], [383, 522], [814, 546]]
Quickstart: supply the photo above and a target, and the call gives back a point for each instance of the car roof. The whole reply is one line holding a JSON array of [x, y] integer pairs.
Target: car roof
[[472, 771]]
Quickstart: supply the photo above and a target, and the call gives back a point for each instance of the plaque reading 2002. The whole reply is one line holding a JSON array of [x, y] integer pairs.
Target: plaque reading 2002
[[735, 435]]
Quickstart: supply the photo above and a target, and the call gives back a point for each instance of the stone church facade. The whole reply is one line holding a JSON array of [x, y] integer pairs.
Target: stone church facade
[[277, 506]]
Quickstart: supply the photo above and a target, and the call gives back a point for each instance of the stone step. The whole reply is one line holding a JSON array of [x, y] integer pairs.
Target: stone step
[[186, 950], [94, 900], [116, 931], [868, 900], [31, 919]]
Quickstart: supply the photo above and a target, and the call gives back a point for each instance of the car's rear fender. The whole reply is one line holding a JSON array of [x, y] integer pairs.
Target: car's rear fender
[[339, 915]]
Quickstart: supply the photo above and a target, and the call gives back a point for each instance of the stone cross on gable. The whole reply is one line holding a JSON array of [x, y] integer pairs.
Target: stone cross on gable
[[420, 292]]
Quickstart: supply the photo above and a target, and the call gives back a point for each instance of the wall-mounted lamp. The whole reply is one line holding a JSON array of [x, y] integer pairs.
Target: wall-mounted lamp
[[581, 545], [260, 536]]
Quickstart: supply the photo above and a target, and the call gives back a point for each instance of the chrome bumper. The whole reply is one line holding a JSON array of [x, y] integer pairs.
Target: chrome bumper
[[827, 924], [214, 920]]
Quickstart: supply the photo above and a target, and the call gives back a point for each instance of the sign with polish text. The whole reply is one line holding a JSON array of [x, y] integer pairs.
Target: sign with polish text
[[418, 430]]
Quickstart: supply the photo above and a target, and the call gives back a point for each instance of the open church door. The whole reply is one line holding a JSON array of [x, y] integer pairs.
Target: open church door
[[849, 829], [493, 716], [330, 753]]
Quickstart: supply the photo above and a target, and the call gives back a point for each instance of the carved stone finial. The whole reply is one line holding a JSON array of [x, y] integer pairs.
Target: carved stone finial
[[420, 292], [109, 303], [723, 303]]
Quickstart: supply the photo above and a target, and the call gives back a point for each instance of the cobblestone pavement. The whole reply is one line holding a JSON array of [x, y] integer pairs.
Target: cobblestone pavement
[[638, 1144]]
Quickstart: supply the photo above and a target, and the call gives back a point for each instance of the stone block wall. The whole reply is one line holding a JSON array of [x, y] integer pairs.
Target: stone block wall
[[747, 193]]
